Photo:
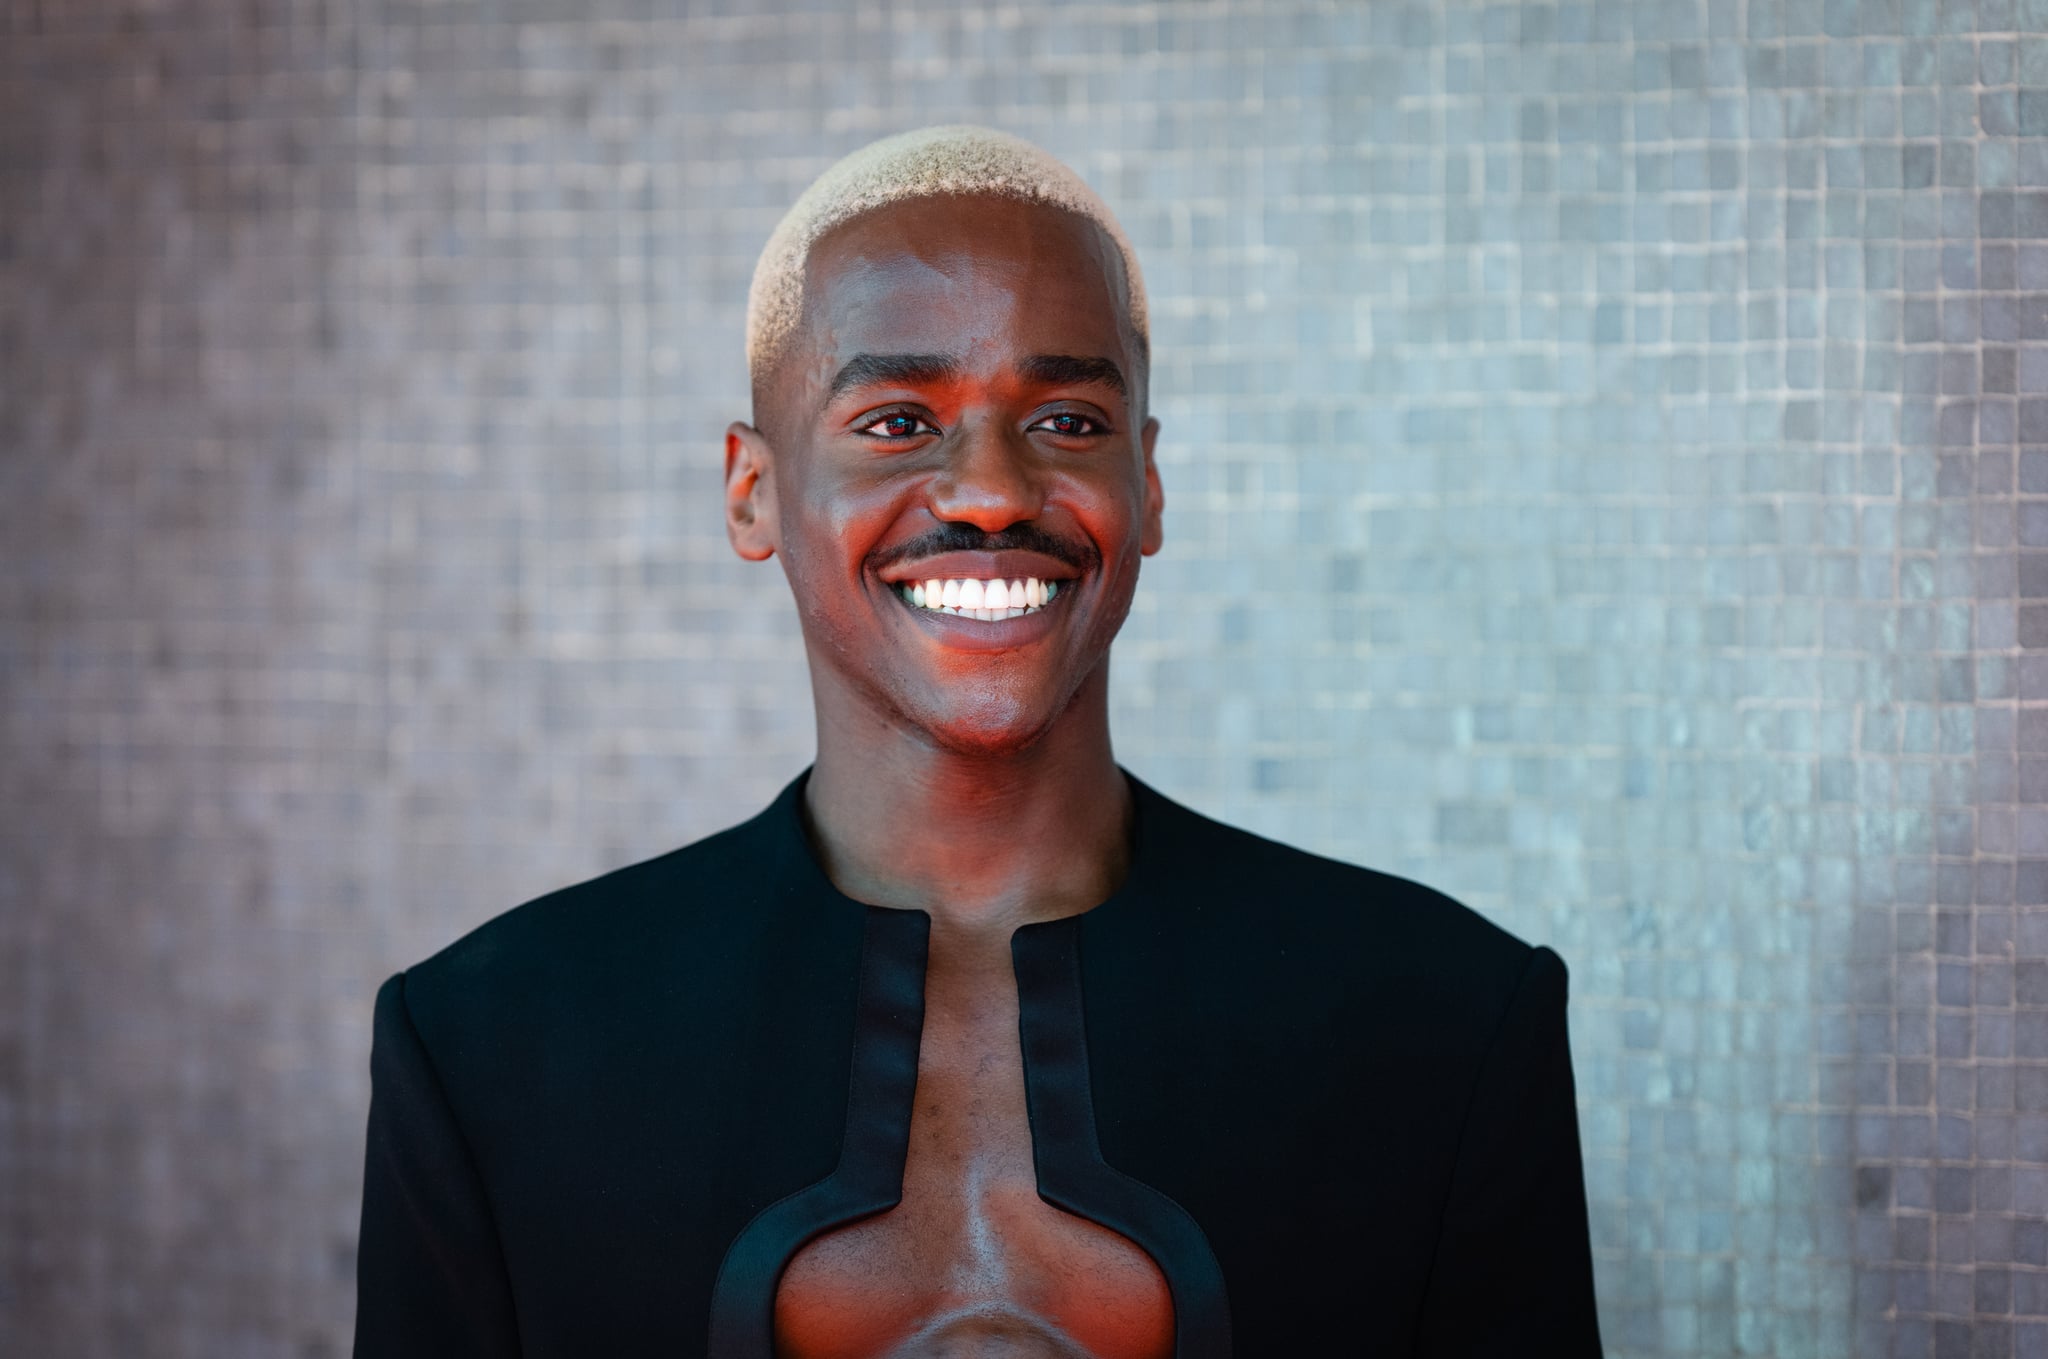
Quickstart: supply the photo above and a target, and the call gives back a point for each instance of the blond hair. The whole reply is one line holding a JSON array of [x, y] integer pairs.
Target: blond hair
[[958, 158]]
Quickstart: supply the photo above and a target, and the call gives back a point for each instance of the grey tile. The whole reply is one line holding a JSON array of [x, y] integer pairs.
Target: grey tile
[[363, 367]]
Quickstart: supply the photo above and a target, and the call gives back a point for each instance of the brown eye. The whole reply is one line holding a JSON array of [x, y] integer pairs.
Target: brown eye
[[896, 425], [1070, 424]]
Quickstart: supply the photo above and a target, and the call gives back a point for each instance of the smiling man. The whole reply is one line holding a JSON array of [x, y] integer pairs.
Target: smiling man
[[971, 1044]]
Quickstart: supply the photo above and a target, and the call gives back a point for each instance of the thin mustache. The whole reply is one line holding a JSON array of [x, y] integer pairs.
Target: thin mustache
[[965, 538]]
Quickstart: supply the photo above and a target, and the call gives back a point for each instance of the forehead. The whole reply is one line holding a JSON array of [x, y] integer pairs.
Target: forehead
[[972, 276]]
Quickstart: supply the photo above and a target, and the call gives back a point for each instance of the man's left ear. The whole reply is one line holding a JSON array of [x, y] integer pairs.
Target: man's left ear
[[1155, 496]]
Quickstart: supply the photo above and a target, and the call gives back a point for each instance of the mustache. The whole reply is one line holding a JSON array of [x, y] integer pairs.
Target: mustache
[[959, 537]]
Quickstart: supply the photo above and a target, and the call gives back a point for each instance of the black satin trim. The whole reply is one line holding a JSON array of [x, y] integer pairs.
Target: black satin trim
[[888, 1023], [1071, 1172]]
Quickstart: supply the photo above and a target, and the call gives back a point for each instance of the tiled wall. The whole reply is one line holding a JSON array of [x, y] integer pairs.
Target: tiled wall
[[1607, 458]]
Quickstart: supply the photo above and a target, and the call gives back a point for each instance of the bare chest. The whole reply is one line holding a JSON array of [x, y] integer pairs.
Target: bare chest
[[972, 1262]]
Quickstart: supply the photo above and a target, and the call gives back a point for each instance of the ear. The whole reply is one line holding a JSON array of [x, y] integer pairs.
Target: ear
[[1154, 534], [751, 521]]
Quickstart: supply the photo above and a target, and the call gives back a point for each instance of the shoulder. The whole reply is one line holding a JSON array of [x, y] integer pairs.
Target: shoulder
[[1354, 926], [614, 907], [570, 949]]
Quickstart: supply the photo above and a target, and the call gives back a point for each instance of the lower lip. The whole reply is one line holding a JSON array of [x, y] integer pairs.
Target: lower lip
[[975, 634]]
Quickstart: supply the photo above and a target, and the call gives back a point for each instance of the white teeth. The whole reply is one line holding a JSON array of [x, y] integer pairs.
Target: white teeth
[[988, 600]]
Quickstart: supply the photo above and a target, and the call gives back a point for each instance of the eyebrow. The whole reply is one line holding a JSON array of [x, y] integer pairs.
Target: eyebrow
[[1064, 370], [891, 370], [913, 370]]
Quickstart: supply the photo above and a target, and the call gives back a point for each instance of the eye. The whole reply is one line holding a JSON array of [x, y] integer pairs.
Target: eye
[[897, 425], [1069, 424]]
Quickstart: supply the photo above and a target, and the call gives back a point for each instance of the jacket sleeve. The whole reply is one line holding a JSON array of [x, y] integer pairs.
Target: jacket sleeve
[[1513, 1272], [430, 1277]]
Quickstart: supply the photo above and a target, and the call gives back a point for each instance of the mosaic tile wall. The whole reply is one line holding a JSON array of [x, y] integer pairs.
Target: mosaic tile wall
[[1607, 458]]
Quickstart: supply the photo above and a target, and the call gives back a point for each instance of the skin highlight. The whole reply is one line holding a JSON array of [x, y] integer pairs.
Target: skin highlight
[[964, 768]]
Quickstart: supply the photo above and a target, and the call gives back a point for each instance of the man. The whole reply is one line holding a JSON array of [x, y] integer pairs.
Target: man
[[971, 1044]]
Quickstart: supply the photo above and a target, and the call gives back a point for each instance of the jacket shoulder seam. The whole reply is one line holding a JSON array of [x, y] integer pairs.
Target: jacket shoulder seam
[[1481, 1070], [469, 1156]]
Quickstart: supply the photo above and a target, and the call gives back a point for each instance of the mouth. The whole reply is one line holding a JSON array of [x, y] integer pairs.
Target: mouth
[[988, 601]]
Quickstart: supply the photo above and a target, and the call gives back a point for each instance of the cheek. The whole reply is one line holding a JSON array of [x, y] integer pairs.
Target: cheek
[[835, 523], [1113, 513]]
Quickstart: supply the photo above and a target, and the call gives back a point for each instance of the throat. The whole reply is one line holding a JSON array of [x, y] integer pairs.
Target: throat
[[984, 854]]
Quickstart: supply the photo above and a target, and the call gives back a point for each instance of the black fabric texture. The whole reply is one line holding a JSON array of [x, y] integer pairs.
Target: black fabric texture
[[869, 1176], [1068, 1159], [1352, 1089], [1523, 1111], [426, 1221]]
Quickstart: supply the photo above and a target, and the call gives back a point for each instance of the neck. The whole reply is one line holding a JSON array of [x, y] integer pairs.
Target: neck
[[978, 841]]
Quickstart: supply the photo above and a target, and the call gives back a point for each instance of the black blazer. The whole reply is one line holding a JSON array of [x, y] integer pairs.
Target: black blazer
[[1334, 1105]]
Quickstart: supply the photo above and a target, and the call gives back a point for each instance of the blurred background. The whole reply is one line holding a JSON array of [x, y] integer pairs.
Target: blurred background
[[1606, 448]]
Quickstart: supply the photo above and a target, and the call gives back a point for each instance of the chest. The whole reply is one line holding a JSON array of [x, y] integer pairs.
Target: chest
[[971, 1261]]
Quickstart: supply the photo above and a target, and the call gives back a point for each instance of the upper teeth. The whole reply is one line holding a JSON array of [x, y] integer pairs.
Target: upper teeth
[[987, 600]]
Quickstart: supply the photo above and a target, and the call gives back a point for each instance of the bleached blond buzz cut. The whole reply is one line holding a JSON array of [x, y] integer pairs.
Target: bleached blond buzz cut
[[931, 162]]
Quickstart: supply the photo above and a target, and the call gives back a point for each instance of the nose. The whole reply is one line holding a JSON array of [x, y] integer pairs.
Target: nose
[[989, 481]]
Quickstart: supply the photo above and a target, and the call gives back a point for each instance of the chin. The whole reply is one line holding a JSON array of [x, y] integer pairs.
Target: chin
[[995, 727], [992, 708]]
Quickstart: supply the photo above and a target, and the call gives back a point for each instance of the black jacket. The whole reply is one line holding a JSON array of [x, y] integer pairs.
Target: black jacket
[[1334, 1105]]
